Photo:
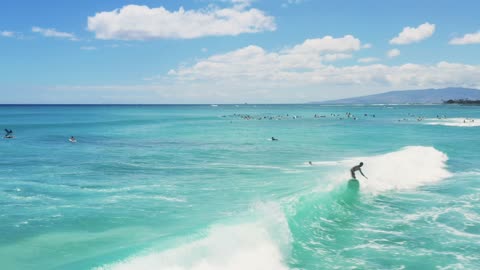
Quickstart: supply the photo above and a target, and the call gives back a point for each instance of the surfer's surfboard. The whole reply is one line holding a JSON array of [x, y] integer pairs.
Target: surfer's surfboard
[[353, 184]]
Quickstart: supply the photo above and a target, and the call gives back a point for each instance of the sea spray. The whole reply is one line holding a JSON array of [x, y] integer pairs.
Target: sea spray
[[407, 168]]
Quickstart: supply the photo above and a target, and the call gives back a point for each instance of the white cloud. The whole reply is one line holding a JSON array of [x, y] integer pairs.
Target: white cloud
[[253, 67], [291, 2], [327, 44], [411, 34], [473, 38], [134, 22], [235, 82], [298, 73], [367, 46], [393, 53], [368, 60], [88, 48], [7, 34], [254, 61], [241, 4], [51, 32]]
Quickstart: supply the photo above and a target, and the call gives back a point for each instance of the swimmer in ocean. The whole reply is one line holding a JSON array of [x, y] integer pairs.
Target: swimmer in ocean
[[357, 168], [8, 134], [274, 139]]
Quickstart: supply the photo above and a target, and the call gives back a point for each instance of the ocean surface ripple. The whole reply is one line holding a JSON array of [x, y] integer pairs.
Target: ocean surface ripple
[[206, 187]]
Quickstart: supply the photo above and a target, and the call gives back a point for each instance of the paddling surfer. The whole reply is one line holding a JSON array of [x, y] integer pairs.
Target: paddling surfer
[[8, 134]]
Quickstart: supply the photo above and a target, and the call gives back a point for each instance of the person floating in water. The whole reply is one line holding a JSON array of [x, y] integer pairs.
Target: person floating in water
[[311, 164], [357, 168], [72, 139], [8, 134], [274, 139]]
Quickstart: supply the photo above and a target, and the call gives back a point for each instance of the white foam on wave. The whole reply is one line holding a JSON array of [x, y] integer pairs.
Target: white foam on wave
[[469, 173], [262, 244], [246, 166], [321, 163], [31, 198], [328, 163], [453, 122], [408, 168]]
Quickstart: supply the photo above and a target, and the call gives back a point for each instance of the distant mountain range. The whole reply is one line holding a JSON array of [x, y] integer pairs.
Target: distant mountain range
[[426, 96]]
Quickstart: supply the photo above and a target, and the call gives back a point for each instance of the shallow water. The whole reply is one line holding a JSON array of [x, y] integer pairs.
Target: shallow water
[[200, 187]]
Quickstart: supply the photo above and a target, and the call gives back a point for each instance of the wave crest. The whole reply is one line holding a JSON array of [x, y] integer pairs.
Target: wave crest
[[408, 168], [453, 122], [261, 245]]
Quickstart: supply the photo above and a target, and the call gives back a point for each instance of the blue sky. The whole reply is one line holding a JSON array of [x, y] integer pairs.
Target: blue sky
[[232, 51]]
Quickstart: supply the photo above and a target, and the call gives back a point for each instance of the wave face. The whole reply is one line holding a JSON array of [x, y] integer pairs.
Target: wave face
[[201, 187], [343, 227]]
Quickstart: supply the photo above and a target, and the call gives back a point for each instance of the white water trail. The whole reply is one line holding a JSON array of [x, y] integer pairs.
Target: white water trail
[[408, 168]]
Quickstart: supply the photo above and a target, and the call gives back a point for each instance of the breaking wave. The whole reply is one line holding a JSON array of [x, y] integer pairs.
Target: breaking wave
[[261, 244]]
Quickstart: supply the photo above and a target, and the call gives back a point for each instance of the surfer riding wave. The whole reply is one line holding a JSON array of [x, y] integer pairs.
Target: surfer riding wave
[[357, 168]]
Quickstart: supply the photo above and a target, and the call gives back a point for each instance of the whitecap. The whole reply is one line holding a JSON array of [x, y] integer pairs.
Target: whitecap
[[261, 244], [407, 168], [453, 122]]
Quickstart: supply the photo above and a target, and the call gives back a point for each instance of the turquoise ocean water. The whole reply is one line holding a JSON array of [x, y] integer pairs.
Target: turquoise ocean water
[[203, 187]]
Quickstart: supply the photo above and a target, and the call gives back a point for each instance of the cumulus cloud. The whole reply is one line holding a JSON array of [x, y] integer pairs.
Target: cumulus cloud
[[393, 53], [368, 60], [299, 73], [135, 22], [212, 83], [306, 66], [412, 34], [7, 33], [327, 44], [473, 38], [51, 32], [255, 62]]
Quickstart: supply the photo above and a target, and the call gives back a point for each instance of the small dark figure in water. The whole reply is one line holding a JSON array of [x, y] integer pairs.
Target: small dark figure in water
[[310, 163], [357, 168], [274, 139], [8, 134]]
